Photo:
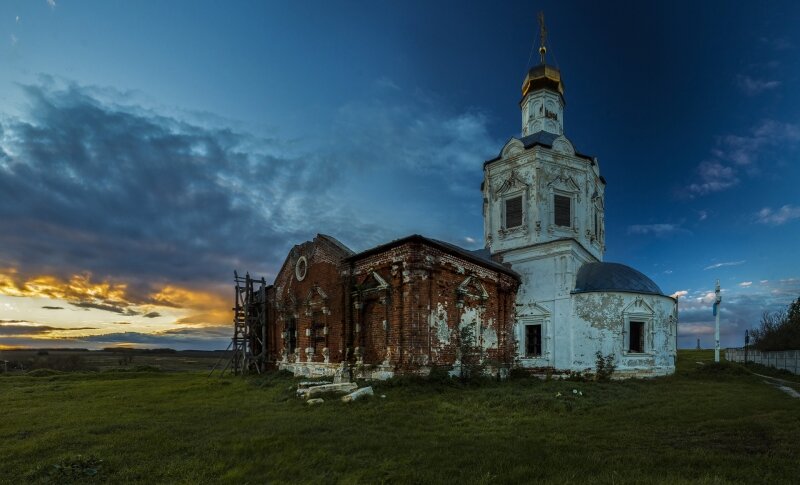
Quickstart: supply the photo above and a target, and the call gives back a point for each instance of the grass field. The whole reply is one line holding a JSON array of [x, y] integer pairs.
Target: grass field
[[706, 424]]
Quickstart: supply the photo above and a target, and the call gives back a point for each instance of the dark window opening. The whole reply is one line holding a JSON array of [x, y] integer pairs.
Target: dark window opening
[[637, 337], [596, 224], [562, 210], [291, 337], [533, 340], [317, 332], [514, 212]]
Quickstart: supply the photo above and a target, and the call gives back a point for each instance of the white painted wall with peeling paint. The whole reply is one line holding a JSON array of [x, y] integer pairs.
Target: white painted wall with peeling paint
[[548, 257]]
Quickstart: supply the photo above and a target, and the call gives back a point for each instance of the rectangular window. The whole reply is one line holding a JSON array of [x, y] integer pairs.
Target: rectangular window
[[596, 224], [637, 337], [533, 340], [563, 214], [513, 212]]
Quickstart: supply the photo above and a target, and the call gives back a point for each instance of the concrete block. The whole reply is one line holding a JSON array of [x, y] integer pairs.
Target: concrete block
[[363, 392], [327, 388], [307, 384]]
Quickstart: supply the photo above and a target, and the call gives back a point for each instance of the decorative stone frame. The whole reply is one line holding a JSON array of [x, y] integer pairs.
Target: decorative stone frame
[[301, 268], [316, 301], [513, 186], [374, 290], [598, 210], [638, 311], [538, 315], [566, 186]]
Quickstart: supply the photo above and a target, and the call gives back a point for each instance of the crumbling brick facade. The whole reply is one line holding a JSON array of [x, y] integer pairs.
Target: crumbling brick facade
[[397, 308]]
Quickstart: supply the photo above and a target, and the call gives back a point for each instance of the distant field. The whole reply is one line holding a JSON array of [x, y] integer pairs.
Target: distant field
[[707, 424], [105, 360]]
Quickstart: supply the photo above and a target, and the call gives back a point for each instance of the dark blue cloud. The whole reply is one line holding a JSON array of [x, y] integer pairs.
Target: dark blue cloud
[[91, 186], [136, 196]]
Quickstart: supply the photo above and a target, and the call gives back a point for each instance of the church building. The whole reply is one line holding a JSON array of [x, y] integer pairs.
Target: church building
[[539, 296], [544, 214]]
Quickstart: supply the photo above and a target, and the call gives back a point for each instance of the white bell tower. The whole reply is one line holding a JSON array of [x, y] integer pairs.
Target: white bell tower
[[543, 213]]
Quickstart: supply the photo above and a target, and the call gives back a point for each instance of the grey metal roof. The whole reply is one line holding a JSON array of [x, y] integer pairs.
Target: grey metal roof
[[541, 138], [613, 277], [478, 257], [347, 251]]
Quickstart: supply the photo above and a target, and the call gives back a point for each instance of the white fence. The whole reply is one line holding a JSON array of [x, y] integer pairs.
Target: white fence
[[785, 359]]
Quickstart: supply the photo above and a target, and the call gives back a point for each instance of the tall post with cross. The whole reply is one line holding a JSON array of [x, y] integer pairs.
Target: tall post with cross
[[717, 301]]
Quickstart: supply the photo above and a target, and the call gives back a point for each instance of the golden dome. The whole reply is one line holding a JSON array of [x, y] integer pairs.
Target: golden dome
[[543, 77]]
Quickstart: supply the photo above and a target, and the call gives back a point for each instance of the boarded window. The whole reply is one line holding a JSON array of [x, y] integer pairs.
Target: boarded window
[[562, 210], [514, 212], [533, 340], [637, 337]]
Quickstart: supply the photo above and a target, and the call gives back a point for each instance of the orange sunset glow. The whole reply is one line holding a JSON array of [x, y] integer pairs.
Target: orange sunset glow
[[82, 311]]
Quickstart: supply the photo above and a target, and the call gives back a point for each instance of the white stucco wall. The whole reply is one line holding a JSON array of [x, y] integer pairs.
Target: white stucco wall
[[600, 321], [537, 174], [548, 256]]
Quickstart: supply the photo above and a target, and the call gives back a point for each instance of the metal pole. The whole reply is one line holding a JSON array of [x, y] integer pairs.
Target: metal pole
[[717, 301], [746, 344]]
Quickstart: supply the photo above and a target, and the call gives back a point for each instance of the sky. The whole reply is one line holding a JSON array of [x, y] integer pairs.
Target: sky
[[149, 149]]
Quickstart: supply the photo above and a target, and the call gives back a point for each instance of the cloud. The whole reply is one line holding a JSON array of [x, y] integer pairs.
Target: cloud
[[752, 86], [15, 328], [702, 215], [739, 311], [733, 154], [226, 199], [469, 240], [655, 229], [51, 3], [777, 217], [14, 40], [746, 284], [713, 177], [777, 43], [720, 265], [680, 294], [94, 216], [82, 291], [207, 338], [108, 308]]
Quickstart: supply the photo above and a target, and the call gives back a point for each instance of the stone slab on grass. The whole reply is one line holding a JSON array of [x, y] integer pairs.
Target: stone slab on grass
[[326, 388], [358, 394]]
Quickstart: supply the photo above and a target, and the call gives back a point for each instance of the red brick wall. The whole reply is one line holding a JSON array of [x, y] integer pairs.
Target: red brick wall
[[319, 299], [390, 316]]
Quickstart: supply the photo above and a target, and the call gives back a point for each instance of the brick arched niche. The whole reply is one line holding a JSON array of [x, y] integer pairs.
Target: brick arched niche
[[372, 327], [316, 312]]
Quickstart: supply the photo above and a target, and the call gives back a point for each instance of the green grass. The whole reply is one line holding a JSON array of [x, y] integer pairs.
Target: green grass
[[707, 424]]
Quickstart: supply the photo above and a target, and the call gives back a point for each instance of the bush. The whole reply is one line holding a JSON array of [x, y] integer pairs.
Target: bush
[[63, 363], [471, 364], [604, 366]]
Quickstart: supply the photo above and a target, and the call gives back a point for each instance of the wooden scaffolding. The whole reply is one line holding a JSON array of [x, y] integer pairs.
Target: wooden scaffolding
[[249, 343]]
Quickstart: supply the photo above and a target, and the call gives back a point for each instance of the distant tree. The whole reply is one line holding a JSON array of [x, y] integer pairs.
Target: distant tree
[[779, 330]]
